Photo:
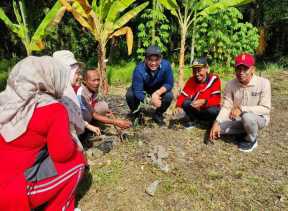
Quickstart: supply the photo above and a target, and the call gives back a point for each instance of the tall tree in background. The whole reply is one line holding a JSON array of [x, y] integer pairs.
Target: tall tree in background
[[222, 36], [187, 13], [153, 29], [22, 30], [104, 20]]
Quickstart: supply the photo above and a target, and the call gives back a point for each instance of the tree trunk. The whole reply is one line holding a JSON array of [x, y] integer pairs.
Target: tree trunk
[[192, 51], [182, 57], [153, 22], [102, 68]]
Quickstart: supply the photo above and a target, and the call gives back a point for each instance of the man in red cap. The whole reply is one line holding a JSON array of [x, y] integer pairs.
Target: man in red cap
[[246, 105]]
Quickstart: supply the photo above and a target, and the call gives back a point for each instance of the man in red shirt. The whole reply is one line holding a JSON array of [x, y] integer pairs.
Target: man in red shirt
[[201, 95]]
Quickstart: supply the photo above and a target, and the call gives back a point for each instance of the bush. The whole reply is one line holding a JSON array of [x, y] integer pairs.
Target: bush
[[283, 61]]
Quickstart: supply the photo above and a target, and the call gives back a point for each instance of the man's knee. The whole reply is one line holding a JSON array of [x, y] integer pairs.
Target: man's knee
[[249, 121], [213, 111], [129, 94], [186, 104], [168, 97]]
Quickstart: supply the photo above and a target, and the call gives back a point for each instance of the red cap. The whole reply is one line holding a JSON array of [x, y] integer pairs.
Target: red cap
[[245, 59]]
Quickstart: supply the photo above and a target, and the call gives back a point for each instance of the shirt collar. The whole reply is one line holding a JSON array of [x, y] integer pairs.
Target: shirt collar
[[87, 93], [252, 82]]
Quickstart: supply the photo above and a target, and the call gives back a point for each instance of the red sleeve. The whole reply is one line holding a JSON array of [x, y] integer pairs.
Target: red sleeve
[[214, 95], [186, 92], [59, 141]]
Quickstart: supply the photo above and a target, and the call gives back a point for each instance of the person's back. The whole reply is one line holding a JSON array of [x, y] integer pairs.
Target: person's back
[[23, 151], [42, 163]]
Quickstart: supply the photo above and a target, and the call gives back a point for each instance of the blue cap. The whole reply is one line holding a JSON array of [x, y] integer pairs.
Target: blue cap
[[153, 50]]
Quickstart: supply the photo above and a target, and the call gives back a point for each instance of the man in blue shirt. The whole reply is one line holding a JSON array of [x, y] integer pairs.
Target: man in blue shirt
[[153, 77]]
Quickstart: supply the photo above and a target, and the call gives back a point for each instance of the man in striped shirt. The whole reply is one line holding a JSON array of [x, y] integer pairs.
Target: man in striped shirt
[[246, 105], [201, 95]]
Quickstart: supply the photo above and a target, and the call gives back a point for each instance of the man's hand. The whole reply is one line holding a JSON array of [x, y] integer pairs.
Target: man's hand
[[177, 110], [94, 129], [156, 99], [123, 124], [215, 131], [235, 112], [198, 103]]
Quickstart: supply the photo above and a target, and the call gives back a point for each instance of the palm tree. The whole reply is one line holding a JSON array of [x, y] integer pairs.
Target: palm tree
[[21, 28], [104, 20]]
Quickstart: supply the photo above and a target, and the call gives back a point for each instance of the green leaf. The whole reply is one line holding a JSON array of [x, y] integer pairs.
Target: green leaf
[[116, 8], [44, 25], [170, 5], [129, 15], [16, 12], [224, 4], [13, 27]]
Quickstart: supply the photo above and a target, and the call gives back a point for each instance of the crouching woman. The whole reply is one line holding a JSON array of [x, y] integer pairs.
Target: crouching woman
[[41, 164]]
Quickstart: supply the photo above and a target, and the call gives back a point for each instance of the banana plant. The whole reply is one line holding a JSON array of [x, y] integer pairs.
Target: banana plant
[[187, 15], [104, 19], [21, 28]]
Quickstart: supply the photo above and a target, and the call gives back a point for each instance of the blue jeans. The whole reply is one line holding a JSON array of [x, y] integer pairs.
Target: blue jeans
[[134, 102], [208, 114]]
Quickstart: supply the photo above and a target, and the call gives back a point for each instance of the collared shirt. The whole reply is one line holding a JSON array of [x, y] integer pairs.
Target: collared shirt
[[254, 97], [87, 100], [210, 90], [144, 81]]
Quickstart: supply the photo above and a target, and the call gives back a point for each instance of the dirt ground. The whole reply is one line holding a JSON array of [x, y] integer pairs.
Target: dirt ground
[[200, 176]]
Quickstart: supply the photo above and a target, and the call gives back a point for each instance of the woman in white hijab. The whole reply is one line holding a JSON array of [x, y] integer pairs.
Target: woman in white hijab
[[41, 164], [77, 124]]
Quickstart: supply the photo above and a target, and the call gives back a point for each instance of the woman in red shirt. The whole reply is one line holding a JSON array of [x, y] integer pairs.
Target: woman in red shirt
[[41, 164]]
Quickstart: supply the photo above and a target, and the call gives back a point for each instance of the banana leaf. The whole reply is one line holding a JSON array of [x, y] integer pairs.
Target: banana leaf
[[129, 37], [128, 16], [116, 8], [13, 27], [224, 4], [46, 23], [170, 5]]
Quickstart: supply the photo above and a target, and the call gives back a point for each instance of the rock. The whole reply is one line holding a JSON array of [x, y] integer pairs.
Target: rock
[[163, 166], [93, 153], [157, 155], [151, 189], [161, 152]]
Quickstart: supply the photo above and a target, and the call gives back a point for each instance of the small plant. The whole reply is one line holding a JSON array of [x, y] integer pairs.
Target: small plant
[[142, 106]]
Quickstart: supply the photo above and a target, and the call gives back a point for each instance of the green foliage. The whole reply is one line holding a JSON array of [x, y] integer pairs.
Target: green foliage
[[23, 31], [5, 67], [221, 36], [153, 29], [283, 61], [68, 35], [121, 73], [274, 10]]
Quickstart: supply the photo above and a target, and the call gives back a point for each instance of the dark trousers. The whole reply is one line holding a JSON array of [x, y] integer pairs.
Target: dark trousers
[[208, 114], [133, 102]]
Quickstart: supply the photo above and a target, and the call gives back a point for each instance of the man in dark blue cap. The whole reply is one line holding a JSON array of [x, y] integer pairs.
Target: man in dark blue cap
[[153, 77]]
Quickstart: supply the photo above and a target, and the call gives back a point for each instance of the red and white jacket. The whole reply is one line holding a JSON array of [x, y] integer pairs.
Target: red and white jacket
[[210, 90]]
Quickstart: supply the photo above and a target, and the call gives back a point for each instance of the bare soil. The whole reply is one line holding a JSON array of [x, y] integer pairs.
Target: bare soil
[[201, 177]]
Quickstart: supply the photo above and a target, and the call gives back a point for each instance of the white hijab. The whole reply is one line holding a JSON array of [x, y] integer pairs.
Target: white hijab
[[69, 98], [34, 81]]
